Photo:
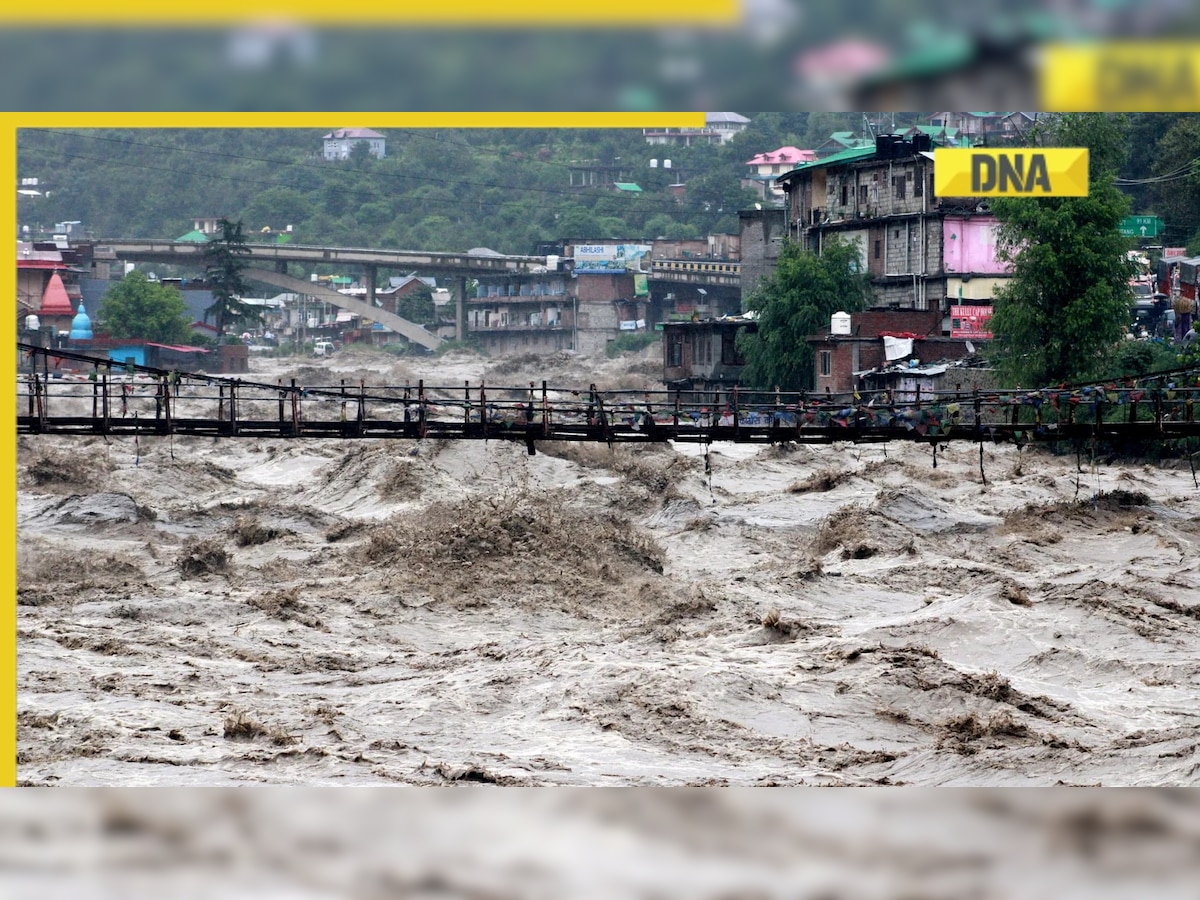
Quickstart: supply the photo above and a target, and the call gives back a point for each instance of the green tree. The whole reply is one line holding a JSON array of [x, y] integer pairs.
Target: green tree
[[1175, 192], [417, 306], [278, 207], [577, 221], [1061, 316], [139, 308], [805, 290], [715, 198], [224, 261]]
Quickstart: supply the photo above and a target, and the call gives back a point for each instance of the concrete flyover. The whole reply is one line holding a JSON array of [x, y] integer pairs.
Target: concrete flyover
[[463, 265], [410, 330], [188, 252], [707, 273]]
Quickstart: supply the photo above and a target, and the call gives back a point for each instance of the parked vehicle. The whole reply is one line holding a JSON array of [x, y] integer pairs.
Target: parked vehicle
[[323, 348]]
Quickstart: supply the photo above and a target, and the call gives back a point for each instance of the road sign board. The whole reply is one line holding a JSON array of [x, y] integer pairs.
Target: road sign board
[[1141, 226]]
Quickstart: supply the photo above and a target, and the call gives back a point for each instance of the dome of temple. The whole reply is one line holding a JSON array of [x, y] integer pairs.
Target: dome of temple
[[81, 325]]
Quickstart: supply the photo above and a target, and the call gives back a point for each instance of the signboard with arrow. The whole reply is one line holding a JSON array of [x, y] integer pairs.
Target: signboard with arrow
[[1141, 226]]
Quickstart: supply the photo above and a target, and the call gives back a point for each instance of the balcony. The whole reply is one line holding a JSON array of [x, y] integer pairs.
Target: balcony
[[521, 327]]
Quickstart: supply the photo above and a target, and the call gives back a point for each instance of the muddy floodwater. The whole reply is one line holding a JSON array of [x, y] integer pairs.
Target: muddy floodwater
[[340, 612]]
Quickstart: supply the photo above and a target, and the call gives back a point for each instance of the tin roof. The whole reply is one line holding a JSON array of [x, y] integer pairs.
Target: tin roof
[[29, 257], [351, 133], [179, 348], [842, 157], [788, 154]]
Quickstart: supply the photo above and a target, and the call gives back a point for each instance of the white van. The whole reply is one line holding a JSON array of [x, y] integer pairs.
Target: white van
[[323, 348]]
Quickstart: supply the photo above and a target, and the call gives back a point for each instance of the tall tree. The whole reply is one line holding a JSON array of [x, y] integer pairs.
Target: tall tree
[[225, 258], [1061, 316], [1176, 188], [138, 308], [805, 290]]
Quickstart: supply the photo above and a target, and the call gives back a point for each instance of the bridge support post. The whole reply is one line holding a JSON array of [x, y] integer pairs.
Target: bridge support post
[[41, 409], [281, 266]]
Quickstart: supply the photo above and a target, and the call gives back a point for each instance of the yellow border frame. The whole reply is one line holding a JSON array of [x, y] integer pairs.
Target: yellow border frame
[[8, 284], [468, 13], [535, 13]]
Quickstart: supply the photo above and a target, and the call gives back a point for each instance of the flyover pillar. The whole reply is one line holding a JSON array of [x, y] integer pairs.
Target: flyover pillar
[[460, 317], [370, 273]]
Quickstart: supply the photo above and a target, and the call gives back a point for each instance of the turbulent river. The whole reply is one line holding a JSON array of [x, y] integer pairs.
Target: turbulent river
[[305, 612]]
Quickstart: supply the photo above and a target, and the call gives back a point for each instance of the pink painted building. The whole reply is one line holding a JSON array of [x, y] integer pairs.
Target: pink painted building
[[764, 168], [973, 271], [970, 245]]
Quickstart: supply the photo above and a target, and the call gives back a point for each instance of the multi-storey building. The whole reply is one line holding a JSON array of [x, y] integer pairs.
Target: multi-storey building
[[765, 168], [719, 128], [523, 313], [879, 198], [924, 253], [340, 143]]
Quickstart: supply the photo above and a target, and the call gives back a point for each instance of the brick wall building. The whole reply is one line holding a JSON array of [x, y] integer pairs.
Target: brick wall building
[[837, 357], [761, 234]]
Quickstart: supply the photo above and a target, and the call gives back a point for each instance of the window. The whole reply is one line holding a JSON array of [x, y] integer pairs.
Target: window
[[918, 184], [862, 194], [729, 351], [898, 187], [878, 248], [826, 362], [843, 193]]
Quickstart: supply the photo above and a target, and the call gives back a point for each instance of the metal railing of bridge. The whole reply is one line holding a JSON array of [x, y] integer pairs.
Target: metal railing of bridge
[[70, 393], [696, 266]]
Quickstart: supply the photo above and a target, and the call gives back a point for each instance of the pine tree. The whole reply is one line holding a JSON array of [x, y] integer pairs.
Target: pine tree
[[224, 261]]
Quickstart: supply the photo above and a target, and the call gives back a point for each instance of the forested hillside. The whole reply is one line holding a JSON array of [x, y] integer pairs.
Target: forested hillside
[[454, 189], [436, 189]]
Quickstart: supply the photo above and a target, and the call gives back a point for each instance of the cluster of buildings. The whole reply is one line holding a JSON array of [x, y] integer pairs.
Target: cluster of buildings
[[57, 297], [932, 263], [587, 295], [49, 302]]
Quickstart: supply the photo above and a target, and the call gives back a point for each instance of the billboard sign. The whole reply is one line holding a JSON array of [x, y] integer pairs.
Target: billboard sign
[[609, 259], [971, 322]]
